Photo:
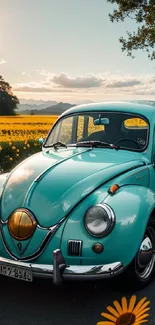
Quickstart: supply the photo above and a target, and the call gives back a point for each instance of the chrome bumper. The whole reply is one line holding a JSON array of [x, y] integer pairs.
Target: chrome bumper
[[60, 270]]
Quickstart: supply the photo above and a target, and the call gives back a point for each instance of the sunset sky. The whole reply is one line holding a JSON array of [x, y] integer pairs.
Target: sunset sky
[[68, 50]]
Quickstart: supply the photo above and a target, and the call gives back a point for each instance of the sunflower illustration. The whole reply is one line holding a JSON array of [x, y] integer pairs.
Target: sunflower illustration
[[124, 314]]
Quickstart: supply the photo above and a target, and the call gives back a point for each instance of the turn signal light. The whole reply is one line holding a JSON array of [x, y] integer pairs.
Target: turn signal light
[[113, 188], [97, 248]]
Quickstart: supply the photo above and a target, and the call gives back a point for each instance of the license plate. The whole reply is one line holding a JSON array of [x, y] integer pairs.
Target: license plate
[[24, 274]]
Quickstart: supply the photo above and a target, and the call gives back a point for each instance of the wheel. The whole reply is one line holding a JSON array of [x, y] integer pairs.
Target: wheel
[[141, 270]]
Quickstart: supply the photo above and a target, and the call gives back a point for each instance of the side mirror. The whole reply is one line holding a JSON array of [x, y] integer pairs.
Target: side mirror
[[41, 140]]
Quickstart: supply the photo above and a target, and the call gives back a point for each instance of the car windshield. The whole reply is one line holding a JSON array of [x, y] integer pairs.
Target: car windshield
[[125, 130]]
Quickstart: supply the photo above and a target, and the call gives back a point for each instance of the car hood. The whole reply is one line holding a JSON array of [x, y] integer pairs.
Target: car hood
[[51, 183]]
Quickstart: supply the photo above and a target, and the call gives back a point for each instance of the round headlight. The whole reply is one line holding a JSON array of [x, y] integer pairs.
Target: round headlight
[[99, 220], [21, 224]]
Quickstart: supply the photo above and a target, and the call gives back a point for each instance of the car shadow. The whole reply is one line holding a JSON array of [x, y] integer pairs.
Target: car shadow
[[41, 302]]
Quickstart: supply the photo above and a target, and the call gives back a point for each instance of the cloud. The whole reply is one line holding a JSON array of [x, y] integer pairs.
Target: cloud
[[67, 81], [90, 81], [2, 61], [143, 91], [33, 87], [124, 83], [94, 86], [25, 74]]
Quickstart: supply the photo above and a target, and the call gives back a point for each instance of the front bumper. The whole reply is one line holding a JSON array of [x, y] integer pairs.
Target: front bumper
[[60, 270]]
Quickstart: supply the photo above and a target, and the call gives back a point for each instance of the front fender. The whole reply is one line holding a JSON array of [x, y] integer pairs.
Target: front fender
[[132, 206]]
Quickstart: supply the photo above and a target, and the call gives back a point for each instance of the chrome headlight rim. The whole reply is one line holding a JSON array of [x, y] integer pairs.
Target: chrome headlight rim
[[111, 216]]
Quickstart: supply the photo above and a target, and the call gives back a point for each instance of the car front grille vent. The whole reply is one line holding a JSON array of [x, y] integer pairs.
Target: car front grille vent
[[75, 247]]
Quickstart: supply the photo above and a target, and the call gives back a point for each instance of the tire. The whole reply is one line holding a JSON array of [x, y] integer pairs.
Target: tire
[[142, 269]]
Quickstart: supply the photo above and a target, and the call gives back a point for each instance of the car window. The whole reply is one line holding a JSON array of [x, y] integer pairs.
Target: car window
[[62, 132], [80, 127], [138, 123], [137, 130], [65, 134]]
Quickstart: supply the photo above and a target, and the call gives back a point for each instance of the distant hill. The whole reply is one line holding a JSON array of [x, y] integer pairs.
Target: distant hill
[[40, 107], [38, 102], [50, 110], [34, 105], [28, 105]]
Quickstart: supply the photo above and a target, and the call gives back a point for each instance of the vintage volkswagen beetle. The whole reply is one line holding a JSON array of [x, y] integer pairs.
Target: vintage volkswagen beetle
[[84, 207]]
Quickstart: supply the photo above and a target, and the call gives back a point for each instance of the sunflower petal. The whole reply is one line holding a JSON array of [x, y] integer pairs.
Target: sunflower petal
[[140, 303], [141, 317], [124, 305], [142, 312], [113, 311], [141, 321], [118, 307], [105, 323], [132, 304], [108, 316], [143, 306]]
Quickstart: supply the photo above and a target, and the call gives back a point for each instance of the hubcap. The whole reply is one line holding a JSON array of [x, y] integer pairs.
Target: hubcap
[[145, 259], [145, 253]]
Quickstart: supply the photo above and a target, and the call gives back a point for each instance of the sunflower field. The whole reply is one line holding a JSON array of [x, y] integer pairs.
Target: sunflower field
[[19, 137]]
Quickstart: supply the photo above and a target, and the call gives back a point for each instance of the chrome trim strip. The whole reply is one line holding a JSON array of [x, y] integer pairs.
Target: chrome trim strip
[[41, 248], [32, 256], [3, 222], [137, 172], [38, 225], [72, 271]]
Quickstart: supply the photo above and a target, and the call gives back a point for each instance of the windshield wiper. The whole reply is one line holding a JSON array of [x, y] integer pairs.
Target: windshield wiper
[[58, 144], [96, 144]]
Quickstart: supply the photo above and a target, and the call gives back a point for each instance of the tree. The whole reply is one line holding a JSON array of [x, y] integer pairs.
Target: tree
[[143, 12], [8, 101]]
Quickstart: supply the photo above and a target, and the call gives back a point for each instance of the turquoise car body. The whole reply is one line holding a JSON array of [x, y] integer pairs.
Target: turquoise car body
[[59, 186]]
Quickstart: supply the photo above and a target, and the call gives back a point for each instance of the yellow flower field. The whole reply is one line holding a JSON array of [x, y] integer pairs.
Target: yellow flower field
[[19, 137], [25, 128]]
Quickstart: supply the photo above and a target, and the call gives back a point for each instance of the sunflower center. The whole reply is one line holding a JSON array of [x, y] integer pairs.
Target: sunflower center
[[126, 319]]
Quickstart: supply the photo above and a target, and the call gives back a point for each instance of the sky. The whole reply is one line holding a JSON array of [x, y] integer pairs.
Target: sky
[[68, 50]]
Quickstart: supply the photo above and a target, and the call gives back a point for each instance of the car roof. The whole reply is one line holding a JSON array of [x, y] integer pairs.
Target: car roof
[[130, 107]]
